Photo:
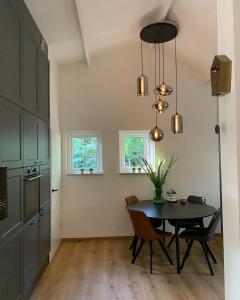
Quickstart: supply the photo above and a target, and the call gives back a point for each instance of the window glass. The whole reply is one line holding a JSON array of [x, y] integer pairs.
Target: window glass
[[133, 150], [84, 153]]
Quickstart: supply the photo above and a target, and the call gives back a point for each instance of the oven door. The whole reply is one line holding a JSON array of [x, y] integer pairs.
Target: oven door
[[31, 197]]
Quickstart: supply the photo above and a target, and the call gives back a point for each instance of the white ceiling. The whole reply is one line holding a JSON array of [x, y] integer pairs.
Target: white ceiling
[[80, 29]]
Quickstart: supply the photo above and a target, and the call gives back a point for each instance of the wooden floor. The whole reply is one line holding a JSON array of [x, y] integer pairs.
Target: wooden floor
[[101, 270]]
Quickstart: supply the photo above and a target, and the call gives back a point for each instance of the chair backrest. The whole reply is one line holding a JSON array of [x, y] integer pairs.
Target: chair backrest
[[196, 199], [142, 225], [131, 199], [213, 224]]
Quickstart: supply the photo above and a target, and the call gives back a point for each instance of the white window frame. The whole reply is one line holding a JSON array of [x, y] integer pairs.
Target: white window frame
[[149, 149], [74, 134]]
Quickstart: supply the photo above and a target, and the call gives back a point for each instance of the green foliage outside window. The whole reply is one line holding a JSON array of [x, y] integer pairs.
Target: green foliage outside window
[[84, 153], [133, 150]]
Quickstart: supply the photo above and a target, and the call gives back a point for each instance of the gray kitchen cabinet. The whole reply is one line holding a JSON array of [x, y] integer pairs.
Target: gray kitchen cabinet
[[11, 268]]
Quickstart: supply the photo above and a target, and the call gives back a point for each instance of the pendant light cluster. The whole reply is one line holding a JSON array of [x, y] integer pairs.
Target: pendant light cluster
[[158, 34]]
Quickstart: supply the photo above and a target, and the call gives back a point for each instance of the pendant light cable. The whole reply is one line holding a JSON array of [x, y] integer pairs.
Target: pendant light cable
[[156, 75], [142, 56], [217, 110], [155, 71], [163, 60], [176, 69]]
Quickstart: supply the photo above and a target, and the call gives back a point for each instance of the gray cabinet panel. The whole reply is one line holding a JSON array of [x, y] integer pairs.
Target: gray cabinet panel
[[31, 254], [15, 203], [10, 71], [44, 184], [43, 86], [11, 123], [11, 268], [30, 139], [36, 140], [43, 142], [29, 72], [44, 231]]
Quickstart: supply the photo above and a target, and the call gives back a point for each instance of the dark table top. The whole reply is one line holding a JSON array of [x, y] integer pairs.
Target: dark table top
[[174, 210]]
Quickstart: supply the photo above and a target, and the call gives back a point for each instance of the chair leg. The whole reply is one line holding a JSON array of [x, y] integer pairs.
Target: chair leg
[[210, 252], [187, 253], [207, 258], [171, 241], [165, 252], [138, 251], [133, 242], [151, 255], [134, 245]]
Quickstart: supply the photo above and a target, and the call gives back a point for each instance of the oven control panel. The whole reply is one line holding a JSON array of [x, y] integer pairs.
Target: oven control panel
[[30, 171]]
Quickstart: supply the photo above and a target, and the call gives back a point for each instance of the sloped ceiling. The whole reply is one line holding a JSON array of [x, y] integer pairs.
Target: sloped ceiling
[[80, 29]]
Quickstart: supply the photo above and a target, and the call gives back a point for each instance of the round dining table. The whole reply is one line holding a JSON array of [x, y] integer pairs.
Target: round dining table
[[175, 211]]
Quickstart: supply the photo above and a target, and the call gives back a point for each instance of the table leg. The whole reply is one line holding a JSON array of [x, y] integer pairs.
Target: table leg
[[164, 228], [177, 247]]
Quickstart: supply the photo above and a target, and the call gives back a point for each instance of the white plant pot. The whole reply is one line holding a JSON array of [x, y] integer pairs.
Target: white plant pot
[[172, 198]]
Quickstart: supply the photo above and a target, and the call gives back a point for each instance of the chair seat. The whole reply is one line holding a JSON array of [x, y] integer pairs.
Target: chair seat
[[162, 233], [196, 234], [182, 223]]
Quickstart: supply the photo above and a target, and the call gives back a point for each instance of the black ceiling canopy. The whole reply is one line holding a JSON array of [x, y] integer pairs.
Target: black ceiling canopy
[[160, 32]]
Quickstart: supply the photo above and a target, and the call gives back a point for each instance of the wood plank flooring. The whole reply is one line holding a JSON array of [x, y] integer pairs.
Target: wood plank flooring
[[101, 270]]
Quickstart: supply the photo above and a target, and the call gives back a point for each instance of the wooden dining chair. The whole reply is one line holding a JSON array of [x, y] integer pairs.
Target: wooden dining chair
[[145, 232], [202, 235], [131, 200], [189, 222], [154, 221]]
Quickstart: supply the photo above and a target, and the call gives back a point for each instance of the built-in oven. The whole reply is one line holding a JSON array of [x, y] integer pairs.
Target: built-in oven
[[31, 192]]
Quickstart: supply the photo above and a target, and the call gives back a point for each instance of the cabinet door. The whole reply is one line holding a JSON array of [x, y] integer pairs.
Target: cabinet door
[[31, 254], [30, 139], [29, 72], [11, 268], [43, 142], [44, 184], [14, 218], [10, 70], [43, 86], [11, 137], [44, 232]]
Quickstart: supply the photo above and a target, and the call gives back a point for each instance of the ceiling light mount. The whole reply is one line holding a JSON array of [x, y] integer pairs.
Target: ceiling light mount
[[160, 32]]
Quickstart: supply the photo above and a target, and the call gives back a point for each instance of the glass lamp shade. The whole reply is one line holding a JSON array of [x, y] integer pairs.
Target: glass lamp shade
[[160, 106], [177, 123], [156, 134], [142, 85], [163, 89]]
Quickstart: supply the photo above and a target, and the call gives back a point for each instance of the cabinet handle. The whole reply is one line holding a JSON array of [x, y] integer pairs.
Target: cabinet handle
[[53, 190], [42, 211], [33, 178], [3, 193], [33, 222]]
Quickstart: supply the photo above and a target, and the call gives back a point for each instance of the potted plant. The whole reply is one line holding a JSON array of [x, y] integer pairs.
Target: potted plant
[[171, 195], [134, 165], [158, 177]]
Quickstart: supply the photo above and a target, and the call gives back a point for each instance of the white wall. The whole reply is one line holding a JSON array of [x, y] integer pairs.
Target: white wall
[[56, 233], [103, 97], [229, 44]]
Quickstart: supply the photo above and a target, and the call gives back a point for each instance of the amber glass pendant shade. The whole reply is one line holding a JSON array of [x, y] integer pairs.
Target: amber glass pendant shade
[[160, 106], [142, 85], [163, 89], [156, 134], [177, 123]]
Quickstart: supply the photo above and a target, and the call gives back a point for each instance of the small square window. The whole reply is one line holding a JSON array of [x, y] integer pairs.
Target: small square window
[[84, 153], [132, 146]]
